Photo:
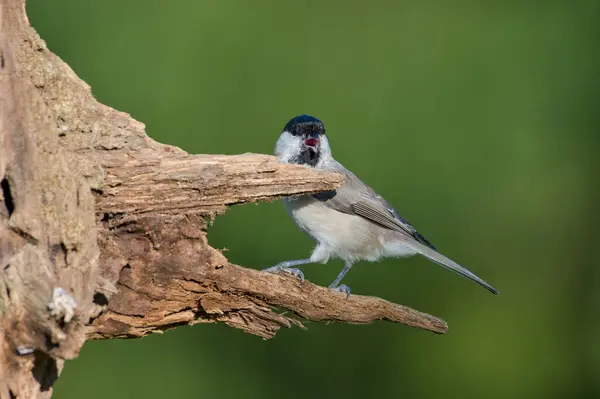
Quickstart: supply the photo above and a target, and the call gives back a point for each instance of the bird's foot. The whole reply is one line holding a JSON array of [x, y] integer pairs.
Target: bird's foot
[[341, 288], [291, 270]]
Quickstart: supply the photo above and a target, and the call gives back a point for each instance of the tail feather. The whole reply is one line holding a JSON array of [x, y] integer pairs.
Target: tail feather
[[449, 264]]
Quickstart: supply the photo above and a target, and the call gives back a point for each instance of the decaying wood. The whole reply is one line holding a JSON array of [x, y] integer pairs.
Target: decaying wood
[[48, 249], [168, 275], [205, 184], [154, 248], [103, 231]]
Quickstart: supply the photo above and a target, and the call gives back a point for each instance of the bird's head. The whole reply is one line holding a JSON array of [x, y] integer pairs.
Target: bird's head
[[303, 141]]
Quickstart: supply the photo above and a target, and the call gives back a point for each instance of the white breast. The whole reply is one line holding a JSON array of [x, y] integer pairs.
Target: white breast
[[338, 235]]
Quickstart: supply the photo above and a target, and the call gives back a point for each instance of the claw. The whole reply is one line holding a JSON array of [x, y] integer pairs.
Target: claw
[[291, 270], [341, 288]]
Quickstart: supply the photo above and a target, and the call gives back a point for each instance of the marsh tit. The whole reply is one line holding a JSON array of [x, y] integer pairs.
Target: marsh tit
[[352, 223]]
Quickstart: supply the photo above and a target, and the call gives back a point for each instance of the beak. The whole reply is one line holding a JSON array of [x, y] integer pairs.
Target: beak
[[311, 142]]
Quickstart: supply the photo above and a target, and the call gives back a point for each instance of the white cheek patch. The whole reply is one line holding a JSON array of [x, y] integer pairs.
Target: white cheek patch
[[287, 147], [324, 150]]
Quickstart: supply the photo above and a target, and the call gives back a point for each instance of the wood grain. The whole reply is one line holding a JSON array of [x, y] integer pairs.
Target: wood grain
[[92, 207]]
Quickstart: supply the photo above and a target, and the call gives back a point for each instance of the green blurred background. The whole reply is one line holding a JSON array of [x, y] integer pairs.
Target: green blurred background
[[478, 120]]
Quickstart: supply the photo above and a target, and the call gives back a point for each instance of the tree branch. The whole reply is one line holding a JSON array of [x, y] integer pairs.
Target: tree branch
[[169, 180], [103, 230], [154, 248], [185, 281]]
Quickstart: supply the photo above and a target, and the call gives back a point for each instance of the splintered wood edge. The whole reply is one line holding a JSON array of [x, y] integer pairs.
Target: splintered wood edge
[[156, 181], [152, 185], [258, 303], [172, 279], [317, 303], [140, 185]]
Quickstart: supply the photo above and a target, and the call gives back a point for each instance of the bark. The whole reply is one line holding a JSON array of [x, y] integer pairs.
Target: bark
[[103, 231]]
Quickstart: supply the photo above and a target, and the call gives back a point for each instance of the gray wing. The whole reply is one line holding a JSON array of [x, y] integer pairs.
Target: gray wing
[[356, 198]]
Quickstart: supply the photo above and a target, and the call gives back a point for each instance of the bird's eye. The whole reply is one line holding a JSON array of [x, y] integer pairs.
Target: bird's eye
[[314, 135]]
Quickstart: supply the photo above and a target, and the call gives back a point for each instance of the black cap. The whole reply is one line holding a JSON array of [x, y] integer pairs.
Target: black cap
[[303, 125]]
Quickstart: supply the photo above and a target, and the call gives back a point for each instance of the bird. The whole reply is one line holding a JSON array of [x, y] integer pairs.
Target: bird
[[352, 223]]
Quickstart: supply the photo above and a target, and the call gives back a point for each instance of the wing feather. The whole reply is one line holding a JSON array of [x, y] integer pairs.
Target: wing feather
[[356, 198]]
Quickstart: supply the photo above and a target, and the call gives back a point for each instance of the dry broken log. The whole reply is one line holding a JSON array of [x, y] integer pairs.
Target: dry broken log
[[153, 245], [103, 230]]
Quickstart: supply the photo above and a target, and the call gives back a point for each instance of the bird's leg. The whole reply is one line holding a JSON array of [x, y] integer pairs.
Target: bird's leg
[[335, 286], [288, 267]]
